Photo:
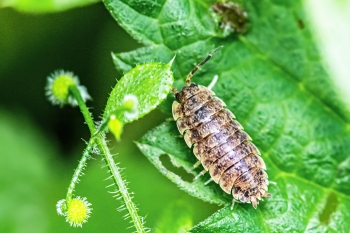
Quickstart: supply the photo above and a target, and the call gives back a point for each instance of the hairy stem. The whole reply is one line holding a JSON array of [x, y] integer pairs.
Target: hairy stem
[[113, 168], [79, 170], [115, 171], [84, 110]]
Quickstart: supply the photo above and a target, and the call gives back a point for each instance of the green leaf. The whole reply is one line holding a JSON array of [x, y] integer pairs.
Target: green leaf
[[173, 219], [150, 83], [273, 80], [125, 61], [45, 6], [164, 140]]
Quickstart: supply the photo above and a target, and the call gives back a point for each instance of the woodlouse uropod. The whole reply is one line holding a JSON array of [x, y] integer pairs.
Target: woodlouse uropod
[[219, 142]]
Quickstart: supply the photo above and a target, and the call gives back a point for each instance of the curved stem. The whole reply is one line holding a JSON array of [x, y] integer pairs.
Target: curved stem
[[84, 110], [113, 168], [79, 170]]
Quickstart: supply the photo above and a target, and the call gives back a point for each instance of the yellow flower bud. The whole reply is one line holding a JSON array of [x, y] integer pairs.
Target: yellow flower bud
[[78, 211], [57, 88], [115, 126]]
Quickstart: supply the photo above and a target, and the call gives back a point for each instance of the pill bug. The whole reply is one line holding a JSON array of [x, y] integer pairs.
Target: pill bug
[[219, 142]]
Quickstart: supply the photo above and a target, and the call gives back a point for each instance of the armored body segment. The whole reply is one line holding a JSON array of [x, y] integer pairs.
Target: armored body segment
[[189, 91], [231, 174], [216, 139], [189, 106], [234, 155], [203, 114], [220, 143], [196, 101], [177, 110], [213, 125], [230, 143], [215, 154], [251, 186], [218, 167]]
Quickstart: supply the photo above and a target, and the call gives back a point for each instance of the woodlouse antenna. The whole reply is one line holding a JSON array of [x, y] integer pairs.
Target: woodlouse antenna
[[189, 76]]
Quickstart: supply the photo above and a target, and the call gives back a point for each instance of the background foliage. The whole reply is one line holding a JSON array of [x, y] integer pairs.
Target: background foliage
[[40, 144]]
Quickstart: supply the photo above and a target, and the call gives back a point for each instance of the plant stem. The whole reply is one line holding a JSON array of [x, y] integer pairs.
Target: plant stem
[[78, 171], [84, 110], [115, 171], [113, 168]]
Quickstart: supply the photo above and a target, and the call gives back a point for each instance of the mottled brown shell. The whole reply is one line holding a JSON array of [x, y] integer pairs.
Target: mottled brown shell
[[220, 143]]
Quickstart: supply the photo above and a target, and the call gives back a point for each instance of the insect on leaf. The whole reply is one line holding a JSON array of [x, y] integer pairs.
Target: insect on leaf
[[272, 78]]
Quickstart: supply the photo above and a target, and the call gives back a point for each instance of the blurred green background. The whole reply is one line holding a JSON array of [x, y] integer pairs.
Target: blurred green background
[[40, 144]]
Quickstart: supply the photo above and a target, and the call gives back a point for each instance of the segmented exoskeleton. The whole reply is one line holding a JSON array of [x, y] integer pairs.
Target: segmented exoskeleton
[[219, 142]]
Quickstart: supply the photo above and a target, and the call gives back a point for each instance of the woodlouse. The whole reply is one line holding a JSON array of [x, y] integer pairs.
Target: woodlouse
[[219, 142]]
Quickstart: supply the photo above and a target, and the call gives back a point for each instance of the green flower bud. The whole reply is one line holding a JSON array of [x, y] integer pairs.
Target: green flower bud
[[57, 88], [115, 126]]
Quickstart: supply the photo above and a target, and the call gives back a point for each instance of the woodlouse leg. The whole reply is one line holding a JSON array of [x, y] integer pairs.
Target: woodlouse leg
[[213, 82], [271, 182], [233, 203], [200, 174], [174, 90], [254, 202], [196, 164], [266, 195], [208, 181]]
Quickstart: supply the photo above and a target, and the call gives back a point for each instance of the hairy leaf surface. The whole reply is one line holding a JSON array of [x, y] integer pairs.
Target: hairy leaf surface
[[150, 83], [273, 80]]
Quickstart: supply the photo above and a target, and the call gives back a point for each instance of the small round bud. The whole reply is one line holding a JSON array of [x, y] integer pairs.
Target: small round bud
[[78, 211], [115, 126], [57, 88], [130, 103]]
